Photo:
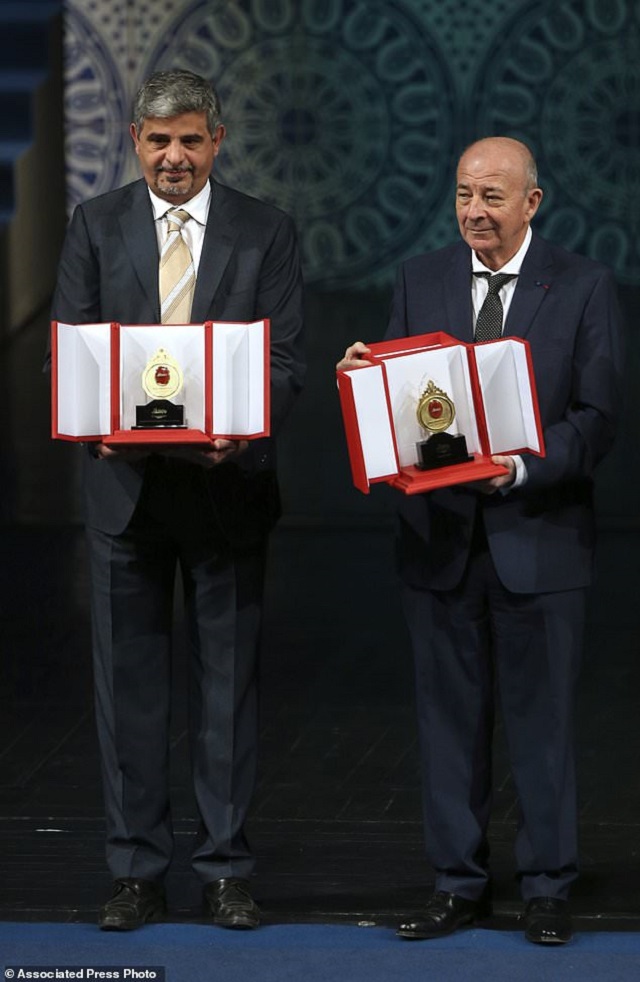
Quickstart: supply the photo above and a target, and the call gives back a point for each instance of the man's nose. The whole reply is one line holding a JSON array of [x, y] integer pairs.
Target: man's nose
[[174, 152], [476, 206]]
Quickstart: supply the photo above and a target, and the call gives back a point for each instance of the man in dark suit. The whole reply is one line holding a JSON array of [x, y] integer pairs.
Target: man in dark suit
[[494, 575], [207, 511]]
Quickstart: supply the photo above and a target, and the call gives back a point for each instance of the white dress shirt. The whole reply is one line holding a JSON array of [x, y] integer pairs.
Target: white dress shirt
[[479, 290], [193, 230], [480, 284]]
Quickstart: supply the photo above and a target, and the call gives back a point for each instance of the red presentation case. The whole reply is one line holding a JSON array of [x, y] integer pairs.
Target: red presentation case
[[491, 384], [97, 374]]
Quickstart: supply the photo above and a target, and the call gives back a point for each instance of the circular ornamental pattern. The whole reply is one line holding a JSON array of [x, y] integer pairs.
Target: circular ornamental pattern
[[96, 114], [340, 112], [565, 78]]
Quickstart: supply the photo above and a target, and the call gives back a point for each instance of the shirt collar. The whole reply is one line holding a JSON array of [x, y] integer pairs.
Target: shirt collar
[[514, 264], [198, 206]]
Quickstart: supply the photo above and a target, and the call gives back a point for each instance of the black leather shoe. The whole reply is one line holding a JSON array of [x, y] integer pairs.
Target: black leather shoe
[[133, 903], [444, 914], [230, 904], [547, 921]]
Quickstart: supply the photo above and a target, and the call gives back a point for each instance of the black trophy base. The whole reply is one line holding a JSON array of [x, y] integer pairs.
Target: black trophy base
[[442, 450], [158, 413]]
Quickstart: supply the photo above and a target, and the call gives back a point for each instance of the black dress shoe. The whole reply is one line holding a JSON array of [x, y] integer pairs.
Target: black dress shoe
[[547, 921], [443, 915], [134, 903], [230, 904]]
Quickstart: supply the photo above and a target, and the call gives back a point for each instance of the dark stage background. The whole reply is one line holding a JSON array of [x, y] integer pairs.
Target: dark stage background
[[351, 116]]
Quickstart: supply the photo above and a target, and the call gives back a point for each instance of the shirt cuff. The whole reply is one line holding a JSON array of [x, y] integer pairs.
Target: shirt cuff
[[521, 474]]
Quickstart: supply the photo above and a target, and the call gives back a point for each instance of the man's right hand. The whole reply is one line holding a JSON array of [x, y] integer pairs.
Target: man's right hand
[[355, 356], [103, 452]]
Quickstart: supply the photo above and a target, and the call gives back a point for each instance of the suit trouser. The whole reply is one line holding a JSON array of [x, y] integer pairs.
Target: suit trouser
[[471, 644], [132, 587]]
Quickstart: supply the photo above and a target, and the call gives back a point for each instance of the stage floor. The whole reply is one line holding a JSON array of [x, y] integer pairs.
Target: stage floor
[[336, 820]]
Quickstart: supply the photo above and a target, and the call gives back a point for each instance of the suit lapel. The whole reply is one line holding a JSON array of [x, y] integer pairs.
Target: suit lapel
[[457, 290], [140, 242], [218, 245], [534, 281]]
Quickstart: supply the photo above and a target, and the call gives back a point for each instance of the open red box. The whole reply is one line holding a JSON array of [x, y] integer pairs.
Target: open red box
[[491, 385], [97, 374]]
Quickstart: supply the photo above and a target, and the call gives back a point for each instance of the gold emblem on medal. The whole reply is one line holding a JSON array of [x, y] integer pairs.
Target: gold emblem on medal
[[162, 377], [435, 410]]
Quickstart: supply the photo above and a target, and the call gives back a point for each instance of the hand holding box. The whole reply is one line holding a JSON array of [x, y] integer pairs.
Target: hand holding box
[[491, 388], [100, 381]]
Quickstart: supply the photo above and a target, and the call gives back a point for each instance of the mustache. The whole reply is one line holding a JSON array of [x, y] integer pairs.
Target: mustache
[[174, 170]]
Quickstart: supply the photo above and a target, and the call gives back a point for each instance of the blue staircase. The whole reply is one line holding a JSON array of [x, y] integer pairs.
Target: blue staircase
[[24, 44]]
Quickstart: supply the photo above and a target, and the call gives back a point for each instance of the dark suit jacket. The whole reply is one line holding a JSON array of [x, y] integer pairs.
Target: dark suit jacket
[[249, 269], [541, 536]]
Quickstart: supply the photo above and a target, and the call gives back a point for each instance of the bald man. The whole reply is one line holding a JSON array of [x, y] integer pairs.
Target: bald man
[[494, 575]]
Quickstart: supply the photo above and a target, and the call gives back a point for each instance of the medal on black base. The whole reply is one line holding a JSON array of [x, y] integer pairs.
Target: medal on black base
[[436, 413], [161, 379]]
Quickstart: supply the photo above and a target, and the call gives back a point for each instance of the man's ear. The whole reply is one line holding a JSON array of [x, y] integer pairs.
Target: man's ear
[[534, 197], [134, 136], [218, 137]]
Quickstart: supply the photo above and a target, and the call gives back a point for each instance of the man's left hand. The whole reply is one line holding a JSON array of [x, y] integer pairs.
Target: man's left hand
[[217, 453], [502, 481]]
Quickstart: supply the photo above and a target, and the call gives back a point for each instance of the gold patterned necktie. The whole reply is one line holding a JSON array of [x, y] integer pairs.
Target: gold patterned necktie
[[489, 322], [177, 272]]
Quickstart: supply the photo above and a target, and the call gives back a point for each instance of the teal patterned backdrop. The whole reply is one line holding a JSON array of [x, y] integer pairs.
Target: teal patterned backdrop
[[351, 114]]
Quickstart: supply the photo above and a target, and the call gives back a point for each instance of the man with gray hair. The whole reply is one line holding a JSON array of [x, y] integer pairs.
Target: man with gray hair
[[206, 511], [494, 574]]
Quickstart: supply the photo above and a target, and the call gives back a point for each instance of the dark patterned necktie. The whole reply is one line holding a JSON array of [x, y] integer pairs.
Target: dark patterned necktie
[[489, 322]]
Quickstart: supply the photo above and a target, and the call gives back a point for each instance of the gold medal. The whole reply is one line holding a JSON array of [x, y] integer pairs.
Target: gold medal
[[162, 377], [435, 409]]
